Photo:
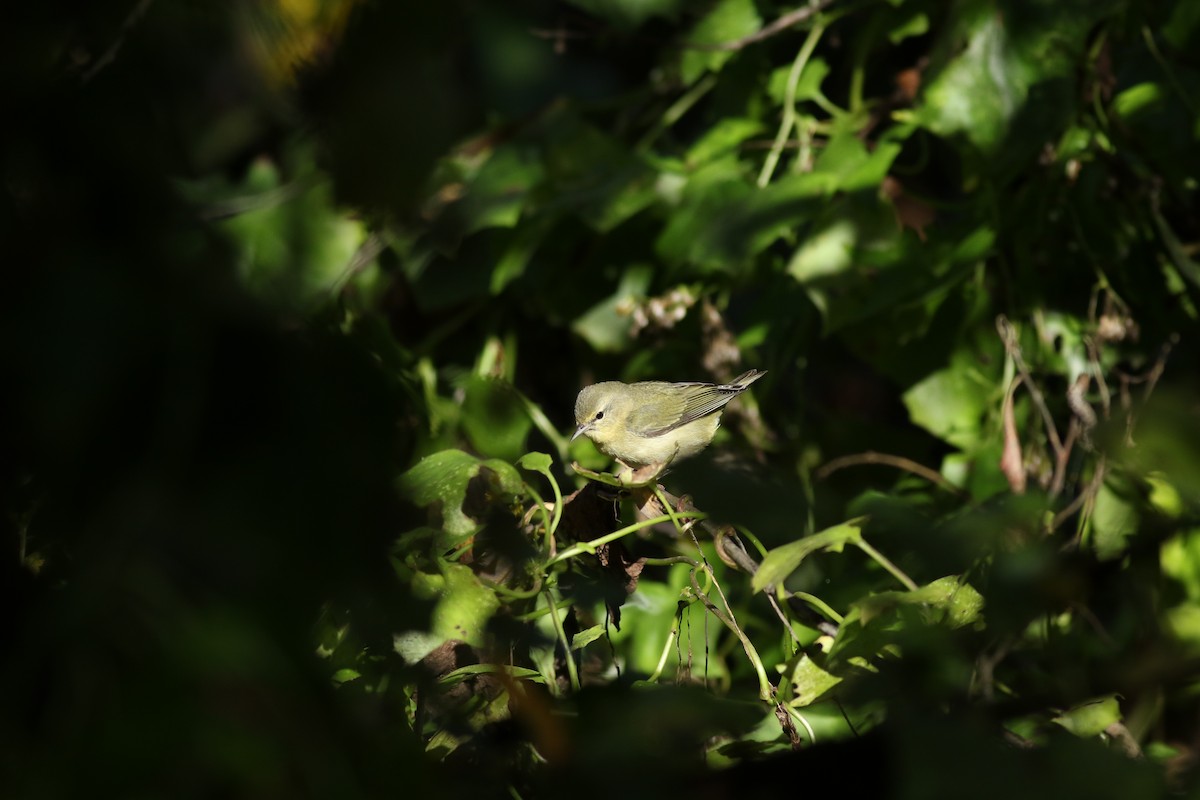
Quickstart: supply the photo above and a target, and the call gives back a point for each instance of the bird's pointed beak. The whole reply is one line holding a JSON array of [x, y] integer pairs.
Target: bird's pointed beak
[[581, 430]]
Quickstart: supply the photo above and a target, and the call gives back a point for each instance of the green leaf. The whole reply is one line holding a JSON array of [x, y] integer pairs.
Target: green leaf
[[783, 560], [728, 20], [494, 418], [1091, 718], [345, 675], [1114, 517], [629, 14], [293, 242], [536, 462], [495, 195], [604, 326], [810, 682], [463, 607], [808, 87], [951, 402], [1138, 99], [462, 673], [722, 138], [723, 221], [959, 603], [851, 166], [412, 646], [586, 637], [593, 175], [915, 25], [441, 481]]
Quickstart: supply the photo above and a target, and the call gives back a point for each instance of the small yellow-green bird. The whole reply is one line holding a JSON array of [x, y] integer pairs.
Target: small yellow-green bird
[[654, 422]]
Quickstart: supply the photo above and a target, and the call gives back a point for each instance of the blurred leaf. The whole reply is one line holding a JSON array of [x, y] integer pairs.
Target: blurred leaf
[[915, 25], [629, 14], [1114, 517], [726, 20], [494, 196], [494, 418], [593, 175], [721, 139], [808, 87], [958, 601], [1136, 99], [723, 220], [604, 327]]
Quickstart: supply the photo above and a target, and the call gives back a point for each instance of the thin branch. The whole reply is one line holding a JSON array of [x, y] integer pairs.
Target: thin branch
[[778, 26], [899, 462], [1061, 459], [1089, 491], [110, 54], [1008, 335]]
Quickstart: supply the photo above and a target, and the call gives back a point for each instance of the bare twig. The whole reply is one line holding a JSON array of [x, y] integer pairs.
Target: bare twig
[[1150, 378], [108, 55], [778, 26], [1094, 621], [899, 462], [1078, 404], [1008, 335], [1088, 494], [1063, 458]]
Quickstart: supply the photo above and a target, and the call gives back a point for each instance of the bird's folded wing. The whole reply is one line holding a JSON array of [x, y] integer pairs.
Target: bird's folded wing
[[699, 401]]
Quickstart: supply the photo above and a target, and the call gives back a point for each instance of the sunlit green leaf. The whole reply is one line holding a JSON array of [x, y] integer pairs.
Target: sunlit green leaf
[[951, 403], [584, 638], [441, 481], [1114, 517], [463, 607], [957, 602], [783, 560], [810, 682]]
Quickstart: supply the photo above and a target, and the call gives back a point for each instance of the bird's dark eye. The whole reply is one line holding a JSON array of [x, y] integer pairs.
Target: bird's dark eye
[[599, 415]]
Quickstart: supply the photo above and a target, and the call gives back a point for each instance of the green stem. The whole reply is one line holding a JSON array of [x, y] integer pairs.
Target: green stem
[[765, 690], [541, 504], [566, 643], [515, 594], [677, 110], [796, 715], [666, 652], [884, 562], [820, 605], [1148, 35], [590, 547], [547, 429], [529, 616], [789, 104]]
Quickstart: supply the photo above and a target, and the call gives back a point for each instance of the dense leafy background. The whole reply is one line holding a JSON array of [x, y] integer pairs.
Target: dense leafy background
[[299, 295]]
